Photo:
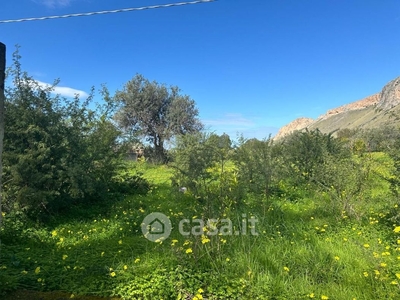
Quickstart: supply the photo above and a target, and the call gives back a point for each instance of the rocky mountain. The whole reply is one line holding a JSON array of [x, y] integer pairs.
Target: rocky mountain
[[297, 124], [373, 111], [390, 95], [360, 104]]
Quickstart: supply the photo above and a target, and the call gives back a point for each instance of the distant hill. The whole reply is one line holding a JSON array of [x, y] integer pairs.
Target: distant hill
[[371, 112]]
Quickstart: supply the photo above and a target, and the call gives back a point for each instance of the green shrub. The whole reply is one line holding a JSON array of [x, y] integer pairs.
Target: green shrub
[[57, 152]]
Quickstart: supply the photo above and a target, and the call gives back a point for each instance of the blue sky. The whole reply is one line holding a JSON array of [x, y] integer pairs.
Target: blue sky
[[252, 66]]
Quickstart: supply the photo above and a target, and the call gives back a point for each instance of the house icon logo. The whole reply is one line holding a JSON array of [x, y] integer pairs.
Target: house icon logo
[[156, 227]]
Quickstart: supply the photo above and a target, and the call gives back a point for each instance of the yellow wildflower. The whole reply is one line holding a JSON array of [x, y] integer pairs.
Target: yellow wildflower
[[204, 239]]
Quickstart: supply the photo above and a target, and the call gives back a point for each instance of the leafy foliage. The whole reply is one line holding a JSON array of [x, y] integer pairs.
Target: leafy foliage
[[345, 180], [258, 165], [202, 163], [156, 112], [57, 151], [394, 179], [305, 152]]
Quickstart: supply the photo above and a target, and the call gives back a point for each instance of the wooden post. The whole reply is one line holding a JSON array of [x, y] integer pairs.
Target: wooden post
[[2, 98]]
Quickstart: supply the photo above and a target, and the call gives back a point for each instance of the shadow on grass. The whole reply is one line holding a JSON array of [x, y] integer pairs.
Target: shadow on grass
[[82, 268], [35, 295]]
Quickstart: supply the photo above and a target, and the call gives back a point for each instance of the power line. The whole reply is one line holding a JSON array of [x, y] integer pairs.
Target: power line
[[106, 11]]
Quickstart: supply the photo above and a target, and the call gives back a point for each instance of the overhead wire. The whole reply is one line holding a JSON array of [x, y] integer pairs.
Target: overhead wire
[[105, 12]]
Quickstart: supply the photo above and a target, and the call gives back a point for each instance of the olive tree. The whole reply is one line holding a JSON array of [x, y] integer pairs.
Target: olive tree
[[156, 112]]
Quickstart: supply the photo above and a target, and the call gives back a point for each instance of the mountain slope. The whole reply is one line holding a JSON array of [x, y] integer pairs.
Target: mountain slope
[[371, 112]]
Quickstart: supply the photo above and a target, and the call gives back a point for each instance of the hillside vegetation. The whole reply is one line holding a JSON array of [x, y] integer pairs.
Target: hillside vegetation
[[332, 239], [310, 216]]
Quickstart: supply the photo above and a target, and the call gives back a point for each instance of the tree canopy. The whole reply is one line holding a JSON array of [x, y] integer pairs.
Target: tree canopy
[[156, 112]]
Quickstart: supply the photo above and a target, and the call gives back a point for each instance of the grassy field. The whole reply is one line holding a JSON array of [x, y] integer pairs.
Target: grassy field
[[305, 249]]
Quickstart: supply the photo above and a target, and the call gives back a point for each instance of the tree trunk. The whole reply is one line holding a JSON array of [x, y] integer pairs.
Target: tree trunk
[[159, 150], [2, 97]]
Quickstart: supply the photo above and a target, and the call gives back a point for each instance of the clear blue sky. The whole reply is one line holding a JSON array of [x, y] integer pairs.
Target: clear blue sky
[[251, 65]]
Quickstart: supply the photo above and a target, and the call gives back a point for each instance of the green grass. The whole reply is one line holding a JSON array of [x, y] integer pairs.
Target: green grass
[[303, 250]]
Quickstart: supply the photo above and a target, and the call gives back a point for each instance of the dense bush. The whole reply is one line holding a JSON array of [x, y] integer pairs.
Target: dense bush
[[300, 165], [203, 165], [305, 152], [127, 183], [258, 165], [57, 152], [378, 139]]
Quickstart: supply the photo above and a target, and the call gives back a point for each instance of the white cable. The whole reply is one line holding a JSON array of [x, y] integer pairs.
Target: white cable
[[106, 11]]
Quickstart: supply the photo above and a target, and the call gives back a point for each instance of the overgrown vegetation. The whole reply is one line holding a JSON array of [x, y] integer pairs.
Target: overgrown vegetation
[[326, 207], [58, 152]]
